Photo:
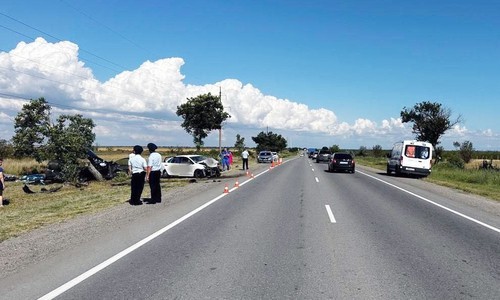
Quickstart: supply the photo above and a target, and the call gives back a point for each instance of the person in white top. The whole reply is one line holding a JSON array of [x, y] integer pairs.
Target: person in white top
[[244, 156], [153, 173], [137, 169]]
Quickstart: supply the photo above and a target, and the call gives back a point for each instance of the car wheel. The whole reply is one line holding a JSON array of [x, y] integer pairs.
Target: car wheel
[[165, 174], [388, 170], [397, 171], [352, 171], [198, 174]]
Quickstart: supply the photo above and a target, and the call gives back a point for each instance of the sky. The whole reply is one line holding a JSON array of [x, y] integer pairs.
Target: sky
[[319, 73]]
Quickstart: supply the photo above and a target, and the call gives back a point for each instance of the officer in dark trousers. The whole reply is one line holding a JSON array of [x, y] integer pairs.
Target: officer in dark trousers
[[137, 168], [153, 173]]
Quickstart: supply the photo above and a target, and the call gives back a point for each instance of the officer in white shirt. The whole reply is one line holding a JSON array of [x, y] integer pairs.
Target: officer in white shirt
[[153, 173], [137, 168], [244, 157]]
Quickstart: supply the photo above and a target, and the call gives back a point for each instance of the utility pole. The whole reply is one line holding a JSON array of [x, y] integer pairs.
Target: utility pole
[[220, 129]]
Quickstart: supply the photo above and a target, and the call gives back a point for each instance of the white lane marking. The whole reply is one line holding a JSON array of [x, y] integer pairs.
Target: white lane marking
[[312, 169], [436, 204], [330, 214], [75, 281], [317, 180]]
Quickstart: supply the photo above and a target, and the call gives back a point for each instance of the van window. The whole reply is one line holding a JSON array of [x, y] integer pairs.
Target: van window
[[410, 151], [417, 151]]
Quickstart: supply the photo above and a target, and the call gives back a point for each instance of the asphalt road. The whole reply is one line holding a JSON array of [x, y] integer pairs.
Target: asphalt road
[[293, 232]]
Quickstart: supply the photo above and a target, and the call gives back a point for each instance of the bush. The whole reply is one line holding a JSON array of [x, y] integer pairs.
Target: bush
[[361, 151], [6, 149], [377, 151], [456, 162]]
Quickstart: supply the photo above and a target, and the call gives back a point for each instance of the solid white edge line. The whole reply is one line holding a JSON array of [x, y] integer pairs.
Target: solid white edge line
[[75, 281], [434, 203], [330, 214]]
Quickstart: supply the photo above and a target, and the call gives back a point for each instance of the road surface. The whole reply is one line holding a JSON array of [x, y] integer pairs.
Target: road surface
[[292, 232]]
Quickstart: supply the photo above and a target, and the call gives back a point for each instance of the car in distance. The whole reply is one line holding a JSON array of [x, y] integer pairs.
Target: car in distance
[[197, 166], [275, 156], [323, 155], [341, 162], [265, 157], [314, 154]]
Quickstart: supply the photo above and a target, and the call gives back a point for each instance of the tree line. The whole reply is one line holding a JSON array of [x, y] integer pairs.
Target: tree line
[[67, 139]]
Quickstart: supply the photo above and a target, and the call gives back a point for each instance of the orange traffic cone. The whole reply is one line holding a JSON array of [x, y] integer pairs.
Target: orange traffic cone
[[252, 176], [272, 164], [226, 190], [248, 174], [236, 184]]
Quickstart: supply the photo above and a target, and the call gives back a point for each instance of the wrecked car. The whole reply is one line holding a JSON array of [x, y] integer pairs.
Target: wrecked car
[[197, 166], [107, 169]]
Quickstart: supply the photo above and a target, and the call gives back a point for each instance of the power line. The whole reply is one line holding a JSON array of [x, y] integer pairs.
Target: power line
[[103, 25], [59, 40], [62, 106], [56, 38]]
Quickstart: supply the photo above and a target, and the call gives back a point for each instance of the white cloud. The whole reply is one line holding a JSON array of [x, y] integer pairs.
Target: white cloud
[[139, 105], [488, 133], [458, 131]]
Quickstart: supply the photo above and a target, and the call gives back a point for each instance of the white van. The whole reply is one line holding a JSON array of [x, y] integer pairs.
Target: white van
[[410, 157]]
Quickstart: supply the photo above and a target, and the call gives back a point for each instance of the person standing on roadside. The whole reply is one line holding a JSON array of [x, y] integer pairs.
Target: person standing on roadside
[[153, 173], [225, 159], [137, 169], [2, 182], [244, 157]]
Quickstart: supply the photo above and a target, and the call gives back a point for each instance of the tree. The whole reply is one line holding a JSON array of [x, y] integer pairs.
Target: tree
[[430, 121], [201, 115], [31, 128], [465, 150], [362, 151], [269, 141], [335, 148], [69, 139], [6, 149], [66, 141], [377, 151], [240, 143]]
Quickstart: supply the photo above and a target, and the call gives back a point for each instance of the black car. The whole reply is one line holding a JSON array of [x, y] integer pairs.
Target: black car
[[341, 162], [323, 156]]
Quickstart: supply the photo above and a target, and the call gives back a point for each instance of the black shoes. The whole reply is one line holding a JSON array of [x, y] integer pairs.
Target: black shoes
[[135, 202]]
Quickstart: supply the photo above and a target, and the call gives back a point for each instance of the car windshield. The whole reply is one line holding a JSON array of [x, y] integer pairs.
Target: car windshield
[[265, 153], [198, 158]]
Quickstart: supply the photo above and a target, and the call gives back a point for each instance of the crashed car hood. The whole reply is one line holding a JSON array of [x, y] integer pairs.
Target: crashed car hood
[[210, 162]]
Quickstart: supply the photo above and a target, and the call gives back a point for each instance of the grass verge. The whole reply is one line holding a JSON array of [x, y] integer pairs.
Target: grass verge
[[26, 212]]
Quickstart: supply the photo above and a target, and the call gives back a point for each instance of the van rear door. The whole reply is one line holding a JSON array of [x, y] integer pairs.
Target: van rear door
[[417, 157]]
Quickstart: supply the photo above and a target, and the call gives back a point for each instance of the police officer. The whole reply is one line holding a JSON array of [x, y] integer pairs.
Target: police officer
[[153, 173], [137, 168]]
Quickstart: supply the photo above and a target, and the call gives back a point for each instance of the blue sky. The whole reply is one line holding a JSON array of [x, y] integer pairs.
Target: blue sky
[[317, 72]]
